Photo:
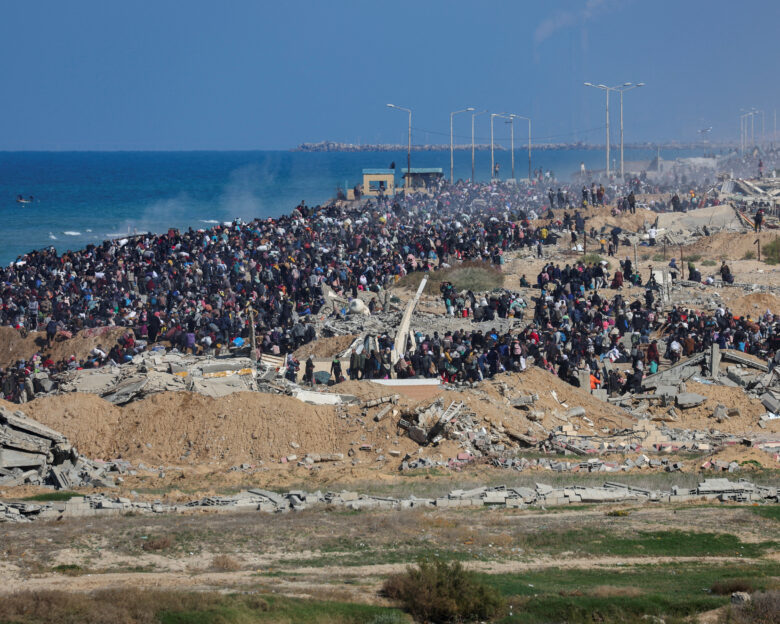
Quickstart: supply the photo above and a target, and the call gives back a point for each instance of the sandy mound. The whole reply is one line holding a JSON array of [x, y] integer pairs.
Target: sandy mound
[[728, 245], [701, 417], [13, 347], [741, 454], [89, 422], [186, 428], [325, 347], [755, 304]]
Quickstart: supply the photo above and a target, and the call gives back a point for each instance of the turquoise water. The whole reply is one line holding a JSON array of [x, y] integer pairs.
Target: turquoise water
[[84, 197]]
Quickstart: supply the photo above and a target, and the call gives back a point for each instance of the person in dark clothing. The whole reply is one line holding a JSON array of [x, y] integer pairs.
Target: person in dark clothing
[[154, 327], [308, 375], [335, 369], [51, 331]]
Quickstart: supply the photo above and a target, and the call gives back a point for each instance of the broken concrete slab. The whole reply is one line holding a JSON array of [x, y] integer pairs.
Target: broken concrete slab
[[685, 400]]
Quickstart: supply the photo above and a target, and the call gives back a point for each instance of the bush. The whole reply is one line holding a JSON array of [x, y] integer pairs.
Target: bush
[[764, 608], [771, 252], [441, 592], [709, 263], [726, 587], [592, 258], [749, 255], [693, 258], [157, 543], [225, 563]]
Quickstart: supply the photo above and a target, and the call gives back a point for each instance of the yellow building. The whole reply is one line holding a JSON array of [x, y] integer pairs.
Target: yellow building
[[378, 181]]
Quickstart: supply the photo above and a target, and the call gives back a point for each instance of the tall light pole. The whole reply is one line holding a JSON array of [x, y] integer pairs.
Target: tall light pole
[[529, 144], [492, 156], [472, 141], [511, 122], [626, 86], [409, 149], [452, 144], [606, 90]]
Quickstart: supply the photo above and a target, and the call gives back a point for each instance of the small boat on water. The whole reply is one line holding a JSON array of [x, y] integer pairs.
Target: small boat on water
[[24, 200]]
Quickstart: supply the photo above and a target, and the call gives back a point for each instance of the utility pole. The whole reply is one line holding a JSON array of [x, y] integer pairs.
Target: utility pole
[[409, 149], [452, 143], [607, 90], [472, 142]]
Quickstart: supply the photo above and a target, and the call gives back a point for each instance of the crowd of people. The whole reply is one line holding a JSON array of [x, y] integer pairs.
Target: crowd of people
[[199, 290]]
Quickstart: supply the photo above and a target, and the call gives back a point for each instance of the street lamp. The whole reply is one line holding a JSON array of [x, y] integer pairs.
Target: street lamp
[[529, 144], [409, 149], [492, 157], [511, 122], [606, 90], [627, 86], [472, 141], [452, 145]]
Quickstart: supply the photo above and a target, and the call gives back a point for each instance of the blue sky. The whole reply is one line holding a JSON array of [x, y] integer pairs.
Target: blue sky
[[234, 74]]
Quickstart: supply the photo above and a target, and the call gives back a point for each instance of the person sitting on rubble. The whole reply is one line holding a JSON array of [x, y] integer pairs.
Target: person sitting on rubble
[[694, 275]]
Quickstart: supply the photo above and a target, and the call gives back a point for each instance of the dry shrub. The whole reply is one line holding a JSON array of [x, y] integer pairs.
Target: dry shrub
[[225, 563], [764, 608], [726, 587], [442, 592], [154, 544]]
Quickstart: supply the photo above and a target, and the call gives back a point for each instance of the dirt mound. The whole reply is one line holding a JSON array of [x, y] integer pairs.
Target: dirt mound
[[13, 347], [728, 245], [325, 347], [755, 305], [701, 417], [540, 382], [188, 428], [88, 421], [741, 454]]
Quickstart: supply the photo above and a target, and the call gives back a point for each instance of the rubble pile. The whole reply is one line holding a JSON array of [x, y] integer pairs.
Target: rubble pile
[[152, 372], [723, 490], [31, 453]]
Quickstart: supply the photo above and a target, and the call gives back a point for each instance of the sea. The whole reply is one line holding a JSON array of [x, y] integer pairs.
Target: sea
[[80, 198]]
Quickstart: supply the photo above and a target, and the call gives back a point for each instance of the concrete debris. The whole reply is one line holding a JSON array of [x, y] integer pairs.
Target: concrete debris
[[689, 399], [296, 500], [31, 453]]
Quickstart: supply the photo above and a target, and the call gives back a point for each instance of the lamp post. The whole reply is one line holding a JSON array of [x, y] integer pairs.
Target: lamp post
[[472, 141], [511, 122], [606, 90], [626, 86], [528, 119], [492, 152], [409, 149], [492, 157], [452, 144]]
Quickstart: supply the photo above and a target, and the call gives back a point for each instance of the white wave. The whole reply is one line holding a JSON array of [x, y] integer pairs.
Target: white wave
[[89, 230], [70, 233], [52, 237], [116, 234], [214, 221]]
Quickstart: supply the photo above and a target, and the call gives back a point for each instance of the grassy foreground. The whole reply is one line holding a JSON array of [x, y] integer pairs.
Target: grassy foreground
[[171, 607]]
